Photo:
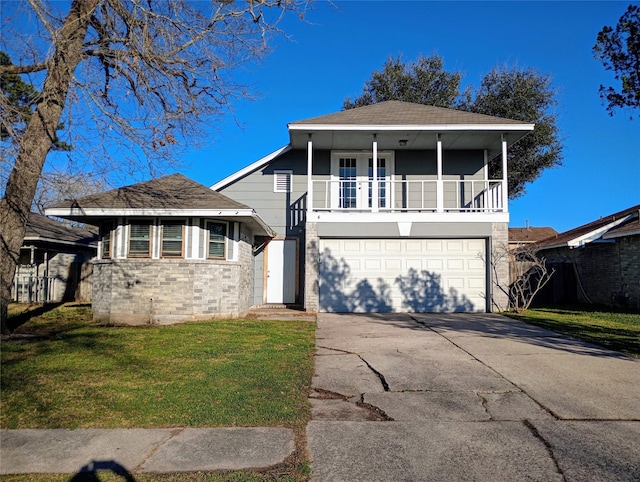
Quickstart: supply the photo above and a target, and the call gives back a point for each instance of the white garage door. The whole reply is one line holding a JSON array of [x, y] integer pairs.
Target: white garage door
[[398, 275]]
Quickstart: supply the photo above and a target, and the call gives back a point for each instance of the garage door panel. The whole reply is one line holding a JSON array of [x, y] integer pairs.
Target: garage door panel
[[364, 275]]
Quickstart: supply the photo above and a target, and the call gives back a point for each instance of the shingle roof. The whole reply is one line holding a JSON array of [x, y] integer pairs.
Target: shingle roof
[[173, 192], [395, 112], [563, 239], [530, 234], [46, 229]]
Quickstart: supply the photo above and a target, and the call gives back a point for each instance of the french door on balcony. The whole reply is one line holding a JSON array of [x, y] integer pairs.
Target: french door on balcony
[[352, 176]]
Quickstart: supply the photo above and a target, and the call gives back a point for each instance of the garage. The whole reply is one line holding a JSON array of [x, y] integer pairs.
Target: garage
[[402, 275]]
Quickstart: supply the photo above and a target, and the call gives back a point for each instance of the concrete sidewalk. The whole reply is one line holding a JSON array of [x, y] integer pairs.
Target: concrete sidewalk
[[127, 451], [459, 397]]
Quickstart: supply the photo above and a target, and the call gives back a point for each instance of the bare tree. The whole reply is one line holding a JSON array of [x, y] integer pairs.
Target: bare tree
[[131, 79], [528, 275]]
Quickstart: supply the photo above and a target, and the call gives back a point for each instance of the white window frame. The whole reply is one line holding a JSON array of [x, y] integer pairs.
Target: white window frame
[[277, 186]]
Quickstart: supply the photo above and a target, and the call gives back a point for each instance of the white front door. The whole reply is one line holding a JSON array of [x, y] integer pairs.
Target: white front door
[[281, 271]]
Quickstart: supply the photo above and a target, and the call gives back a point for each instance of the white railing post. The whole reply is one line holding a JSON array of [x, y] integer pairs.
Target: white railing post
[[374, 184], [309, 178], [439, 183], [505, 183]]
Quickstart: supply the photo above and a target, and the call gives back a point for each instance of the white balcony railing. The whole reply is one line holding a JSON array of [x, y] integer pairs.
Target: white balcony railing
[[409, 195]]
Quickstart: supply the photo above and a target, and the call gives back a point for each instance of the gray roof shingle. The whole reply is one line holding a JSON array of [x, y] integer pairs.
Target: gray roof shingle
[[395, 112], [43, 228]]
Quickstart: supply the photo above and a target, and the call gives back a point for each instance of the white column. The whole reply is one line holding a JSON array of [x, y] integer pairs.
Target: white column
[[309, 179], [439, 183], [374, 184], [505, 183]]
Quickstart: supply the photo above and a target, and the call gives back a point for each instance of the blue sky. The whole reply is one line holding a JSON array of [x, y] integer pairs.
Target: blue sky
[[332, 54]]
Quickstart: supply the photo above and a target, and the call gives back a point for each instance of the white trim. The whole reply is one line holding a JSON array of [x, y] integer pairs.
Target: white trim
[[631, 232], [32, 239], [149, 212], [236, 241], [309, 175], [412, 127], [505, 178], [362, 173], [597, 233], [591, 235], [439, 183], [162, 212], [395, 217], [250, 168]]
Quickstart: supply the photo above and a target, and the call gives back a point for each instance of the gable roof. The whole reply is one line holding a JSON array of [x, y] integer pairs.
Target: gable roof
[[530, 234], [399, 113], [415, 124], [44, 229], [173, 195], [174, 191], [623, 223]]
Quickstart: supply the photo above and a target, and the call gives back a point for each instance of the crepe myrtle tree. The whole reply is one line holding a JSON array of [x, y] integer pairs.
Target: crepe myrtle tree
[[131, 80], [528, 274]]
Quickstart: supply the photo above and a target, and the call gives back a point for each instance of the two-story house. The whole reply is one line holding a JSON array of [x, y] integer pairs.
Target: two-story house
[[387, 207], [383, 208]]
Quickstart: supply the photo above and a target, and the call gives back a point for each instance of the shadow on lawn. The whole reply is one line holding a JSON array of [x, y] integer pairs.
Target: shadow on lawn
[[89, 473], [15, 321]]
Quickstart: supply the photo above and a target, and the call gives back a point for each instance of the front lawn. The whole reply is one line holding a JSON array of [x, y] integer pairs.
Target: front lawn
[[617, 331], [65, 371]]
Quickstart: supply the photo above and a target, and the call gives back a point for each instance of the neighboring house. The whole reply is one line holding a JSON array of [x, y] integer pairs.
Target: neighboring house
[[524, 237], [382, 208], [598, 262], [524, 240], [170, 250], [52, 264]]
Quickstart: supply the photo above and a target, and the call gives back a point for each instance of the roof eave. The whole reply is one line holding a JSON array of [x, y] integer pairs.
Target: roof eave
[[412, 127], [44, 239], [93, 213]]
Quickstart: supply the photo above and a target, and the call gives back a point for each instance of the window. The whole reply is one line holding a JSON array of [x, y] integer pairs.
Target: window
[[282, 181], [217, 237], [172, 239], [106, 233], [348, 185], [139, 239]]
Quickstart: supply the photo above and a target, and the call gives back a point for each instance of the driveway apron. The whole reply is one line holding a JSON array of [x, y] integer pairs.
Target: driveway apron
[[445, 397]]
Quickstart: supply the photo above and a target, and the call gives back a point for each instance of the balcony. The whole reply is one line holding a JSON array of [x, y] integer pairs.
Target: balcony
[[408, 196]]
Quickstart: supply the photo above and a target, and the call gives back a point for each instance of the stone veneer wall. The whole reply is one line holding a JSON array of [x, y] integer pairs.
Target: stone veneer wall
[[499, 242], [152, 291], [311, 293]]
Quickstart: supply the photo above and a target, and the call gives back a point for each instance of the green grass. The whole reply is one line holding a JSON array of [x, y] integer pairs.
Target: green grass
[[72, 373], [617, 331], [61, 370]]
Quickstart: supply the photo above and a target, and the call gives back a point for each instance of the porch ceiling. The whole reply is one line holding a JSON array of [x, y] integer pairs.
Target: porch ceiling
[[324, 137]]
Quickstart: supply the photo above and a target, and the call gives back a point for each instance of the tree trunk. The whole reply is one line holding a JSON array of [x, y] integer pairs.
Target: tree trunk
[[36, 143]]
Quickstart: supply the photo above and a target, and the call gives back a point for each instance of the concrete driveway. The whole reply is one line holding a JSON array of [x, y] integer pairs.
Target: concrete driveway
[[444, 397]]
